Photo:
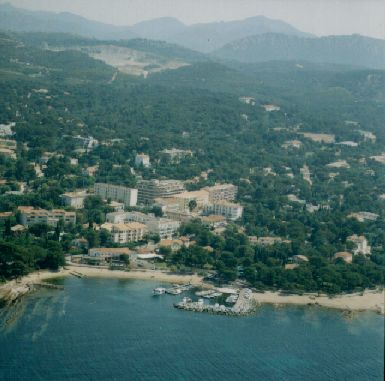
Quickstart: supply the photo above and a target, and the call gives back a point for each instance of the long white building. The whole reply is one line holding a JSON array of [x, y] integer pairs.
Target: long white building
[[126, 233], [164, 227], [229, 210], [128, 196], [31, 216]]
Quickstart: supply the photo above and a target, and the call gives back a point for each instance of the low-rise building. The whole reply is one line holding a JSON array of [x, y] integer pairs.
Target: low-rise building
[[364, 216], [299, 258], [30, 216], [227, 209], [8, 153], [6, 129], [106, 253], [214, 221], [116, 206], [74, 199], [173, 244], [126, 233], [128, 196], [176, 155], [361, 244], [271, 107], [345, 256], [267, 241], [142, 160]]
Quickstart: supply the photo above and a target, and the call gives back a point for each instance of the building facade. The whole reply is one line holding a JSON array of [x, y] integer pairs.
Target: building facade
[[142, 159], [149, 190], [119, 193], [30, 216], [74, 199], [221, 192], [164, 227], [229, 210], [126, 233]]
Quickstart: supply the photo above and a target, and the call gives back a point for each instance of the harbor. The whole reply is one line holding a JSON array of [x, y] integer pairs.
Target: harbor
[[244, 304], [174, 290]]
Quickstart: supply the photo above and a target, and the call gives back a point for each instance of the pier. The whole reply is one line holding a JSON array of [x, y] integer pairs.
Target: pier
[[77, 274], [46, 285]]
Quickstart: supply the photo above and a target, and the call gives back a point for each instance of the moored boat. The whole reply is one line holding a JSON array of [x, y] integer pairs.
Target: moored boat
[[158, 291]]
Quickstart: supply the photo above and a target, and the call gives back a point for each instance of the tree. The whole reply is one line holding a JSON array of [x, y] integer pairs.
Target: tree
[[192, 205]]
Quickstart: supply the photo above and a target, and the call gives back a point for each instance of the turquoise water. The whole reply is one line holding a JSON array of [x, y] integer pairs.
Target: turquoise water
[[99, 329]]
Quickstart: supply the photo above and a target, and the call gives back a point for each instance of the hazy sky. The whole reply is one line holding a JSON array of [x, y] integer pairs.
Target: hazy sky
[[321, 17]]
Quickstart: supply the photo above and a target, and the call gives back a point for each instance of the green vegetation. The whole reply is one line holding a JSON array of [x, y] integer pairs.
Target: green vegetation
[[56, 96]]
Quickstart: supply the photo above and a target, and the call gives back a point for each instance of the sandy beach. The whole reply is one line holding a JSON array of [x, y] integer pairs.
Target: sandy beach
[[14, 289], [367, 301]]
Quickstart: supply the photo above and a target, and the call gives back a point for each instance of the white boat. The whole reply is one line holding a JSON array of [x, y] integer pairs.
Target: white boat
[[173, 291], [159, 291], [232, 299]]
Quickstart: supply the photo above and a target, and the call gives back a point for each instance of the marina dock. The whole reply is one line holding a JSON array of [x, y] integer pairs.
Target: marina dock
[[245, 305]]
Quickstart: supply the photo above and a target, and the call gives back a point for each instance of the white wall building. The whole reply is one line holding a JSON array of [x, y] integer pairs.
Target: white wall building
[[164, 227], [142, 159], [149, 190], [222, 192], [361, 244], [30, 216], [229, 210], [128, 196], [126, 233], [74, 199]]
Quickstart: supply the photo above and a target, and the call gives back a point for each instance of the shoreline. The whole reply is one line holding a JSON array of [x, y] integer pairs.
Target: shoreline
[[359, 302]]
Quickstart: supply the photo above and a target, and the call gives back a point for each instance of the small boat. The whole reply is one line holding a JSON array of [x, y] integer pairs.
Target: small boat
[[174, 291], [232, 299], [186, 300], [158, 291]]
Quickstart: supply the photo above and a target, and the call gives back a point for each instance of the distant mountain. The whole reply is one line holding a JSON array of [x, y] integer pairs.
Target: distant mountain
[[21, 20], [346, 50], [201, 37], [211, 36], [159, 29]]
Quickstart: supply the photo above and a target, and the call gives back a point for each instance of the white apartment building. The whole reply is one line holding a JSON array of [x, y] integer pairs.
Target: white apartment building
[[142, 159], [30, 216], [164, 227], [220, 192], [74, 199], [229, 210], [126, 233], [361, 244], [149, 190], [201, 197], [119, 193]]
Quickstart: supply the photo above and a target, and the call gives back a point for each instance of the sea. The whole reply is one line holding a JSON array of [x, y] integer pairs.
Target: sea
[[110, 329]]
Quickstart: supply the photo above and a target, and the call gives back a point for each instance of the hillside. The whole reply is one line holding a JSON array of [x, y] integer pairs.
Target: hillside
[[138, 57], [346, 50]]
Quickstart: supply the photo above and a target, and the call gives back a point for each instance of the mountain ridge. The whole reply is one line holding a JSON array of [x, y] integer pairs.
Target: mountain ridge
[[345, 50]]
